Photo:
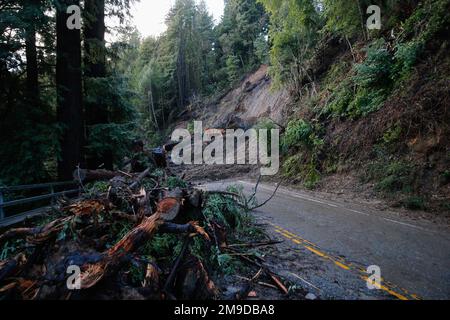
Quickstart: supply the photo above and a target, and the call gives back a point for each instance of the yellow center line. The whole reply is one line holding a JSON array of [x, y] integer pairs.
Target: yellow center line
[[388, 290], [319, 253], [338, 261], [341, 265]]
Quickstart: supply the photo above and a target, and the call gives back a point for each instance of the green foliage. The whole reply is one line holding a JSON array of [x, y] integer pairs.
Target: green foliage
[[414, 203], [302, 137], [366, 91], [241, 39], [175, 182], [162, 246], [293, 33], [376, 69], [345, 17], [392, 135], [301, 133], [406, 56], [266, 124], [66, 232], [240, 225], [11, 248], [137, 274], [190, 127], [111, 138], [232, 68], [30, 137], [383, 69], [365, 102], [299, 166], [158, 173], [391, 177], [225, 211], [340, 99], [98, 187], [428, 19], [312, 176], [30, 146]]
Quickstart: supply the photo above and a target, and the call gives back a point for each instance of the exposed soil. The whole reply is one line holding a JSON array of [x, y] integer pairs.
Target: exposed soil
[[419, 107]]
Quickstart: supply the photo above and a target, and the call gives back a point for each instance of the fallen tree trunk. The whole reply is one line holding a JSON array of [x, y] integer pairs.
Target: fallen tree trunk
[[86, 176]]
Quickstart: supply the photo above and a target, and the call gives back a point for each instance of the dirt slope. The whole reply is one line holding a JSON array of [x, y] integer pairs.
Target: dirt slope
[[251, 100], [356, 154]]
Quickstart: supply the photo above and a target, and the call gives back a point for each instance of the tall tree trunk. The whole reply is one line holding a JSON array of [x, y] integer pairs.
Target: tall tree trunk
[[95, 69], [182, 76], [32, 63], [32, 81], [69, 92]]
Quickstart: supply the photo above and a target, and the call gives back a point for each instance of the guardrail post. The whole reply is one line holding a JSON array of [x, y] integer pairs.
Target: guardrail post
[[2, 214]]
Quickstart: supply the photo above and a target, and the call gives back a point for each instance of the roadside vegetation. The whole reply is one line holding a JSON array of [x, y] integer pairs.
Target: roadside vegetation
[[365, 103], [345, 82]]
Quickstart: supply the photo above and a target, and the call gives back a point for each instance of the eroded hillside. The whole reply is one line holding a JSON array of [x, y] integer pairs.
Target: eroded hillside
[[371, 118]]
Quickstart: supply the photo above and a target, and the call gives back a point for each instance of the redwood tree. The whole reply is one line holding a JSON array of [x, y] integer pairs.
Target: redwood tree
[[69, 91], [34, 8], [95, 75]]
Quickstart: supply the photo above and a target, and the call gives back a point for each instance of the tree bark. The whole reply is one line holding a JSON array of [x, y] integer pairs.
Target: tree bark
[[94, 175], [95, 69], [69, 92]]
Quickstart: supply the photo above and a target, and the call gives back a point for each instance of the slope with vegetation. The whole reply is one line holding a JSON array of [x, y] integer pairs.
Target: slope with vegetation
[[366, 109], [371, 108]]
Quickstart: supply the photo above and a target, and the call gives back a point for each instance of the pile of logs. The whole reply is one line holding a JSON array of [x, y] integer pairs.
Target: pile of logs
[[74, 252], [76, 239]]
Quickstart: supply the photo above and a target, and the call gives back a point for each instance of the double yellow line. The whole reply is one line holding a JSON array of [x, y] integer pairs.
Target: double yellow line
[[341, 263]]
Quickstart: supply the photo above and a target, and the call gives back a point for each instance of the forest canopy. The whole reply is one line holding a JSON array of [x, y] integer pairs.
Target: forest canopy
[[70, 98]]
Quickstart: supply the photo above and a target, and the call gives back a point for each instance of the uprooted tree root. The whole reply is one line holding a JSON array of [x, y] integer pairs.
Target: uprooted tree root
[[80, 253]]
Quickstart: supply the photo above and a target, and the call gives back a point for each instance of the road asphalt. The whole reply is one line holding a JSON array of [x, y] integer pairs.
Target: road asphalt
[[413, 256]]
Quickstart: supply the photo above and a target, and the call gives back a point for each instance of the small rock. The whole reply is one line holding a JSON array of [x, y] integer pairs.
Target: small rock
[[311, 296]]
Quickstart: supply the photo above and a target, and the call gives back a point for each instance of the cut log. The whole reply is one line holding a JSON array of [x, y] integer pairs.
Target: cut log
[[112, 259], [169, 208], [86, 176]]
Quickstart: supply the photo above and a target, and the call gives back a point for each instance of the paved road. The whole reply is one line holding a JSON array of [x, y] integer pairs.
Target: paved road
[[414, 257]]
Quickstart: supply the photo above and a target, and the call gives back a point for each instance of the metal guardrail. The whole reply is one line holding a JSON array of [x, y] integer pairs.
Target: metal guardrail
[[52, 195]]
